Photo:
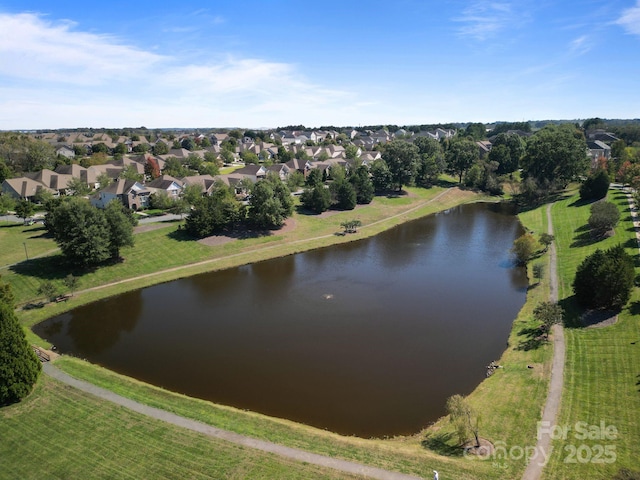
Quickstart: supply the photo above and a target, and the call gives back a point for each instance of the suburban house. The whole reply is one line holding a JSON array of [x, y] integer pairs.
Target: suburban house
[[166, 184], [302, 166], [484, 147], [66, 152], [252, 172], [205, 182], [23, 188], [598, 149], [87, 175], [280, 169], [57, 182], [130, 193]]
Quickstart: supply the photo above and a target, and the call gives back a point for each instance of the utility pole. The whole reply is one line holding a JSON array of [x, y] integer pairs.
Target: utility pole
[[25, 250]]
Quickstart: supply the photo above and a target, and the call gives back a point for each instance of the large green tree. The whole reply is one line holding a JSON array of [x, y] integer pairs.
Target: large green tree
[[344, 194], [270, 203], [24, 209], [380, 176], [120, 228], [604, 217], [81, 231], [507, 150], [556, 154], [316, 198], [362, 183], [19, 366], [214, 213], [595, 186], [461, 155], [432, 162], [605, 279], [402, 160]]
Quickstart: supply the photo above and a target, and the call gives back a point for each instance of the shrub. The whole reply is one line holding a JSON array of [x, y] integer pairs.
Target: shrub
[[605, 279], [19, 366], [604, 217], [595, 186]]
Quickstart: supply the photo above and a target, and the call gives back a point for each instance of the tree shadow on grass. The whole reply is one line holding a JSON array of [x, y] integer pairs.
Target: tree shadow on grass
[[53, 267], [634, 308], [533, 339], [581, 203], [585, 238], [445, 183], [439, 443]]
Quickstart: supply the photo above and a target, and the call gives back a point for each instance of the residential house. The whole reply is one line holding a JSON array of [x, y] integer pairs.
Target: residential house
[[166, 184], [598, 149], [484, 147], [603, 136], [132, 194], [65, 151], [205, 182], [236, 182], [87, 175], [302, 166], [252, 172], [280, 169], [58, 182], [23, 188]]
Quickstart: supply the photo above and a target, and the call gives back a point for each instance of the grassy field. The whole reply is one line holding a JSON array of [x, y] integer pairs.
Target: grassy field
[[602, 371], [60, 432]]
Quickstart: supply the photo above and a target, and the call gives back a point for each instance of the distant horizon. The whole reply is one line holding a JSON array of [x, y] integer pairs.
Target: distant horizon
[[345, 63], [497, 122]]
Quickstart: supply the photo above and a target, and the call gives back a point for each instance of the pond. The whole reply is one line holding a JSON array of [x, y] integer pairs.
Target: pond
[[367, 338]]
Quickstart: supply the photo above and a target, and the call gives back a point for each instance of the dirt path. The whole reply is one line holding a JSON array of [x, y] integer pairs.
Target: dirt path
[[265, 248], [554, 397], [287, 452]]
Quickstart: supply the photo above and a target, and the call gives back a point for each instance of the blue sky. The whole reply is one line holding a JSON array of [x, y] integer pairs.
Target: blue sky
[[274, 63]]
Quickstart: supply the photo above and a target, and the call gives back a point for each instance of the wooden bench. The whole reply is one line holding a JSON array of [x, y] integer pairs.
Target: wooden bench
[[42, 355]]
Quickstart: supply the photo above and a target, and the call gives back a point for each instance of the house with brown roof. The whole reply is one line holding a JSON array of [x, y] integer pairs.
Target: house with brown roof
[[205, 182], [166, 184], [23, 188], [132, 194]]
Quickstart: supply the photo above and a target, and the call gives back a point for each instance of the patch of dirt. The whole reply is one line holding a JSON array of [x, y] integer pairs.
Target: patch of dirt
[[598, 318], [215, 240], [485, 449]]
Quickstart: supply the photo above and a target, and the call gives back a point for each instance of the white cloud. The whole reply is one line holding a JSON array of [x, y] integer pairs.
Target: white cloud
[[630, 19], [484, 19], [52, 74], [580, 45], [34, 48]]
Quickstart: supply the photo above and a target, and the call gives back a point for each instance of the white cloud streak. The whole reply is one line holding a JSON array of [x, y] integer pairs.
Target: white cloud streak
[[484, 19], [630, 19]]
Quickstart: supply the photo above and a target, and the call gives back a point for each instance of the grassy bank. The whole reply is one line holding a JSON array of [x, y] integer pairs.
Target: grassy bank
[[602, 364], [60, 432]]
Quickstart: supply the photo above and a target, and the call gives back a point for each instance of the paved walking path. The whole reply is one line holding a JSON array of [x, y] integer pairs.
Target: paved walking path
[[287, 452], [554, 397]]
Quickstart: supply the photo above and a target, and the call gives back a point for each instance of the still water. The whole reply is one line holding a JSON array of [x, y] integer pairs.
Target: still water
[[367, 338]]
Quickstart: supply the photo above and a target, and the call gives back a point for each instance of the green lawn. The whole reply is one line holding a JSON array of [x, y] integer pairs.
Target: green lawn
[[396, 454], [602, 370], [14, 237], [60, 432]]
